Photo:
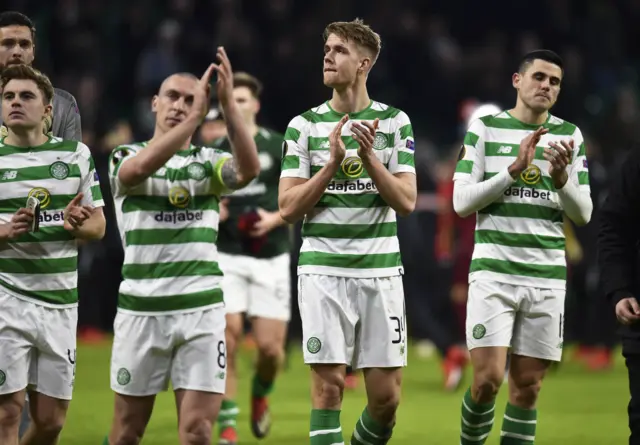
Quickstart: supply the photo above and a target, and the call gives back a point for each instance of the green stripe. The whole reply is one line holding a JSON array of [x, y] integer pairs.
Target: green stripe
[[55, 202], [321, 143], [349, 231], [363, 201], [148, 237], [133, 203], [40, 172], [406, 131], [519, 210], [545, 183], [171, 302], [64, 296], [292, 134], [96, 193], [405, 158], [366, 114], [350, 261], [583, 178], [582, 150], [63, 146], [182, 173], [290, 162], [464, 166], [45, 234], [523, 269], [564, 129], [519, 240], [340, 174], [39, 266], [167, 270], [471, 139]]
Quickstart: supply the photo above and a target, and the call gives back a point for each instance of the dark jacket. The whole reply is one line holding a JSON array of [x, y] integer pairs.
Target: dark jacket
[[618, 241], [66, 117]]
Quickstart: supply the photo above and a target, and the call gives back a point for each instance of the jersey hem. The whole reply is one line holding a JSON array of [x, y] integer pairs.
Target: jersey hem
[[36, 301], [356, 273], [174, 312]]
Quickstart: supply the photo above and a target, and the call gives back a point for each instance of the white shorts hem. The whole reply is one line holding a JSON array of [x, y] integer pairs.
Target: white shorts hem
[[199, 388], [538, 356], [53, 396], [150, 393]]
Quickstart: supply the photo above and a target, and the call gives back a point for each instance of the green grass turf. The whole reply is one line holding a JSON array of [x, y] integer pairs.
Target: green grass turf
[[576, 407]]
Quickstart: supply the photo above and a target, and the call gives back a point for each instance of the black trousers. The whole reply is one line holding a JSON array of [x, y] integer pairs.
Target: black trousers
[[632, 360]]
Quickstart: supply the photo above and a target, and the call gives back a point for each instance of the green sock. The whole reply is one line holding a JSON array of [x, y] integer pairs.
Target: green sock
[[369, 432], [518, 426], [325, 427], [260, 388], [228, 414], [476, 420], [106, 440]]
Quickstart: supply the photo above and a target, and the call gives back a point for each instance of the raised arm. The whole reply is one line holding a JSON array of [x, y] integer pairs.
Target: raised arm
[[155, 155]]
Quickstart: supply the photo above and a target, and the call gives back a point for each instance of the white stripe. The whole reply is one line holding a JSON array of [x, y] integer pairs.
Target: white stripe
[[324, 129], [170, 253], [530, 422], [464, 403], [366, 429], [474, 438], [528, 255], [365, 246], [360, 439], [39, 251], [42, 282], [345, 216], [525, 226], [508, 136], [517, 436], [518, 280], [162, 287], [155, 220], [476, 425], [323, 432]]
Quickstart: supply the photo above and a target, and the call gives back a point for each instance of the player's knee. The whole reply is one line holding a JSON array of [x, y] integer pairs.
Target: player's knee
[[270, 351], [524, 391], [383, 406], [487, 384], [328, 388], [10, 412], [196, 431]]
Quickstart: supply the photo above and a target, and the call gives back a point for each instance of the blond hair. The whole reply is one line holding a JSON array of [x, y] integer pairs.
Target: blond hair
[[357, 32]]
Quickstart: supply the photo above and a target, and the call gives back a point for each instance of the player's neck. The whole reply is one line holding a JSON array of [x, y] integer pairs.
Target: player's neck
[[32, 137], [528, 116], [350, 100]]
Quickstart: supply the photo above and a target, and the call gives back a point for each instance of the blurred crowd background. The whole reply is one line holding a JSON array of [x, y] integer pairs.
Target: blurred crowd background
[[440, 60]]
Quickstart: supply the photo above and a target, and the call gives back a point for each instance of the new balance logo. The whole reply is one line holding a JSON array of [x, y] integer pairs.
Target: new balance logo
[[324, 145], [9, 175], [504, 149]]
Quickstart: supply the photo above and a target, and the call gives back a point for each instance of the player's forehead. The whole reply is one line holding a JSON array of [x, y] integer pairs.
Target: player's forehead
[[184, 85], [544, 67], [18, 86], [16, 32], [336, 41], [242, 92]]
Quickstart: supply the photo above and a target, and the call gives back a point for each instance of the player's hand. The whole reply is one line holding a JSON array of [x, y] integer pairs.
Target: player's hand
[[19, 224], [527, 150], [223, 212], [364, 134], [559, 156], [202, 94], [75, 214], [267, 222], [337, 151], [224, 84], [628, 311]]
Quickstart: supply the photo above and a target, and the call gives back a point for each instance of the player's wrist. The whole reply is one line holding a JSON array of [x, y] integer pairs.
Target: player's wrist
[[515, 169], [559, 181]]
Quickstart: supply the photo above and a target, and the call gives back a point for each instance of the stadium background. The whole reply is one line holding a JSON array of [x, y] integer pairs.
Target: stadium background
[[439, 60]]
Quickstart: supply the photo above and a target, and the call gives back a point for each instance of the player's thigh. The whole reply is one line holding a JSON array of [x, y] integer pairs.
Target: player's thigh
[[141, 354], [383, 387], [270, 294], [491, 313], [539, 331], [200, 362], [47, 412], [53, 371], [18, 330], [328, 319], [197, 409], [381, 339], [235, 282]]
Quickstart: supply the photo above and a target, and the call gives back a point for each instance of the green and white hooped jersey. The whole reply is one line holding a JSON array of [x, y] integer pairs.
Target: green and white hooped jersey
[[42, 267], [351, 231], [519, 239], [169, 227]]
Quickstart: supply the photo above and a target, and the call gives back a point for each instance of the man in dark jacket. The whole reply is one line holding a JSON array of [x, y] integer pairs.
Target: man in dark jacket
[[618, 248], [17, 45]]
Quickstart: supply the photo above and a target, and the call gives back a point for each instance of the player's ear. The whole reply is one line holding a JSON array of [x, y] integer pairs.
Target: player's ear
[[258, 106], [365, 65], [515, 80], [154, 103]]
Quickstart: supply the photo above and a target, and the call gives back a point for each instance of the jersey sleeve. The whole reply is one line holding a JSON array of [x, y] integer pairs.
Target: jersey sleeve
[[579, 172], [296, 162], [219, 159], [89, 182], [402, 158], [119, 156], [470, 165]]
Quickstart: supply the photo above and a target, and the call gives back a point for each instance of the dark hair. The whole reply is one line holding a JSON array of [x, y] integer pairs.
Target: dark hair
[[15, 18], [540, 54], [246, 80], [25, 72]]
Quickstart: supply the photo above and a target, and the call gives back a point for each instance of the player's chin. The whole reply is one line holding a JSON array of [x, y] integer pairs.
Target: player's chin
[[331, 79]]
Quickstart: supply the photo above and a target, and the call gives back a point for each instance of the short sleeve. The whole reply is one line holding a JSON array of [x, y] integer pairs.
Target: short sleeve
[[89, 183], [470, 165], [296, 162], [119, 156], [402, 158], [579, 172]]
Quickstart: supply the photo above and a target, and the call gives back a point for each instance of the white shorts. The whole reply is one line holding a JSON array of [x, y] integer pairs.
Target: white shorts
[[188, 349], [353, 321], [258, 287], [527, 319], [37, 348]]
